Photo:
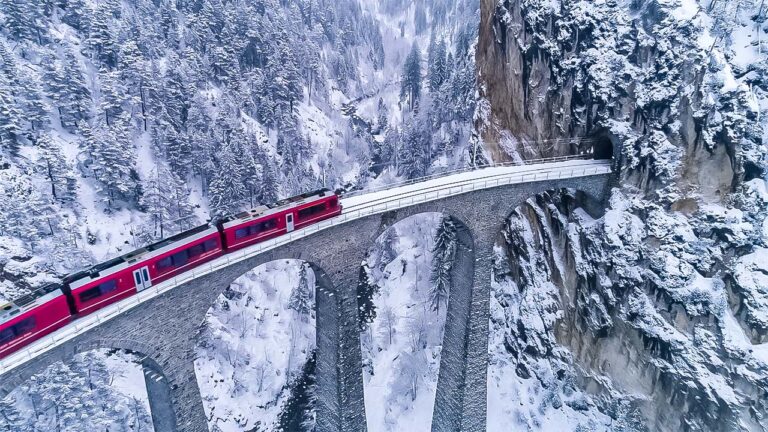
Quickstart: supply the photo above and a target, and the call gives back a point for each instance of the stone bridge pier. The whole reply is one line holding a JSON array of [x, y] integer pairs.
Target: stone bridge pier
[[165, 329]]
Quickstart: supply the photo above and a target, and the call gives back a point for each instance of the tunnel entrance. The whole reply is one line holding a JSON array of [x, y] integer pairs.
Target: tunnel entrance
[[602, 148], [599, 145]]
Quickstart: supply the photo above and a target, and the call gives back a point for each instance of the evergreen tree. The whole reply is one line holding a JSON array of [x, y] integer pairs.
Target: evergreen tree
[[270, 190], [382, 117], [387, 247], [31, 102], [67, 88], [113, 95], [101, 40], [135, 73], [442, 262], [438, 65], [301, 297], [155, 202], [366, 291], [410, 87], [227, 186], [420, 18], [10, 118], [12, 418], [21, 19], [54, 167], [77, 14], [414, 151], [113, 163]]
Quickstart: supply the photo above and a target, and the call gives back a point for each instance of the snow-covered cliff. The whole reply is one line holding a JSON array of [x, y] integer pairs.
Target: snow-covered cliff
[[650, 314]]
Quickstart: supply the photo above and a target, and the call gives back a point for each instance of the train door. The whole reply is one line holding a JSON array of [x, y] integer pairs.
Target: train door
[[141, 277], [289, 222]]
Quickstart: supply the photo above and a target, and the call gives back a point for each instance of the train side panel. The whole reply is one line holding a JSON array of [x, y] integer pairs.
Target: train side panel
[[103, 291], [34, 324], [142, 274], [184, 257], [274, 225]]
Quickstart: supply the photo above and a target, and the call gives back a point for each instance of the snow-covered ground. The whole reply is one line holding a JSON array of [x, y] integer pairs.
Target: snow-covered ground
[[255, 342], [98, 391], [401, 347]]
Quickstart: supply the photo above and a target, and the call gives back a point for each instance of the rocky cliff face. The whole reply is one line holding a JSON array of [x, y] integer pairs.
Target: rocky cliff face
[[657, 308]]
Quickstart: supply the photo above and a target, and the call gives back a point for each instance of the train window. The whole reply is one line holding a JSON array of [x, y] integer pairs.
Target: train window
[[333, 203], [311, 211], [196, 250], [268, 224], [17, 330], [210, 245], [138, 279], [90, 294], [180, 258], [98, 291], [25, 326], [108, 286], [255, 229], [7, 335], [164, 263], [241, 233]]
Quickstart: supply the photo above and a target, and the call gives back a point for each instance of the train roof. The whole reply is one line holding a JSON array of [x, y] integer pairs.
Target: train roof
[[124, 261], [268, 209], [28, 301]]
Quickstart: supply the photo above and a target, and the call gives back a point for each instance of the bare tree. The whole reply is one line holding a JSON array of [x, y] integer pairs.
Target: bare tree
[[388, 322]]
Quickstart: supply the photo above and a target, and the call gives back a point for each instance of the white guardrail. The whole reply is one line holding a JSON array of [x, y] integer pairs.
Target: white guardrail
[[378, 204]]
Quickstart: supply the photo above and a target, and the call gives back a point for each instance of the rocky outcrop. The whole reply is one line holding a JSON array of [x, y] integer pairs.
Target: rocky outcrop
[[669, 351]]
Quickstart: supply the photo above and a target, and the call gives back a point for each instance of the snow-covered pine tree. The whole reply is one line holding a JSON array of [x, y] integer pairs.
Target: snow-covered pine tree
[[410, 86], [19, 18], [31, 102], [382, 116], [420, 18], [52, 164], [101, 39], [10, 118], [135, 74], [366, 290], [227, 187], [113, 94], [301, 296], [414, 152], [77, 14], [444, 252], [154, 202], [387, 247], [269, 191], [437, 64], [113, 162], [12, 419], [66, 86]]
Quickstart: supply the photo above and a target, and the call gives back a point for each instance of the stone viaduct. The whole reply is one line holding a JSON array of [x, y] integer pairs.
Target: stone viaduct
[[164, 329]]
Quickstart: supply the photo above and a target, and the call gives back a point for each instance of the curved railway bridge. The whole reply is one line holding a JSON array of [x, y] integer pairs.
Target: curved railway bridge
[[162, 322]]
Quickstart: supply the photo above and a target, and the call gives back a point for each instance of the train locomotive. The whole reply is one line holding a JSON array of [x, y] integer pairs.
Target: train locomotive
[[53, 306]]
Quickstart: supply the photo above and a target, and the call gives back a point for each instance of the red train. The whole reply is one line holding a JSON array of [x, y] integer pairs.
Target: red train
[[49, 308]]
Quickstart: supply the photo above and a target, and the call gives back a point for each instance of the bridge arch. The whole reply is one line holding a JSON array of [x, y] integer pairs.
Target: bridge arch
[[323, 365], [451, 380], [156, 384]]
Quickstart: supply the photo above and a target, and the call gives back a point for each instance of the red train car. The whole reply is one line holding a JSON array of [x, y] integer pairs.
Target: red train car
[[31, 317], [129, 274], [266, 222]]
